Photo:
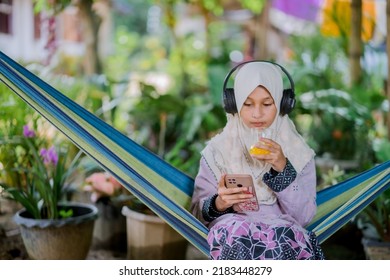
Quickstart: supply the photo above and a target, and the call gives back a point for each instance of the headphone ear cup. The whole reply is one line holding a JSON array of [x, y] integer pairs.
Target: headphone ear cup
[[229, 101], [288, 102]]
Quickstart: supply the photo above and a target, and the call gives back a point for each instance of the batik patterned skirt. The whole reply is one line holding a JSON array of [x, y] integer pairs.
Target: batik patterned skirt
[[243, 240]]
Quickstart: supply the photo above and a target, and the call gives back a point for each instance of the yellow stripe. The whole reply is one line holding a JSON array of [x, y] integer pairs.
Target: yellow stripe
[[364, 188]]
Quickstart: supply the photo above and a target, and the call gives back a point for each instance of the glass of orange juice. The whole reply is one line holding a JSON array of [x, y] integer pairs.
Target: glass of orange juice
[[256, 134]]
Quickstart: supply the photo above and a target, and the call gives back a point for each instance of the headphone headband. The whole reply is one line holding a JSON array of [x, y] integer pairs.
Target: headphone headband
[[288, 99], [292, 86]]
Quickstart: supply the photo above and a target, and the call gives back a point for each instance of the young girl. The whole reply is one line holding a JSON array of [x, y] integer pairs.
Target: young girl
[[284, 178]]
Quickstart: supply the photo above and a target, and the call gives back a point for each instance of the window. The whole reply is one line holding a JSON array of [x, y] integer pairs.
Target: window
[[6, 16]]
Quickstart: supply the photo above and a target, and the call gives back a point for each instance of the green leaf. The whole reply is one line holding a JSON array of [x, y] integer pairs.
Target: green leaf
[[66, 213]]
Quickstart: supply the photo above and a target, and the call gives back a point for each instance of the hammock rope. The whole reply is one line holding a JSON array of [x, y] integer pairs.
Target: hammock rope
[[163, 188], [117, 154]]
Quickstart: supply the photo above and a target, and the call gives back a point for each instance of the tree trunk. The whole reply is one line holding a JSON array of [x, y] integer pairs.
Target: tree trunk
[[262, 25], [388, 66], [355, 43], [91, 23]]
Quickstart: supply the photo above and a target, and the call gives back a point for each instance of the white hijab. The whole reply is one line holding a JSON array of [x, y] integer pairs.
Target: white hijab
[[227, 152]]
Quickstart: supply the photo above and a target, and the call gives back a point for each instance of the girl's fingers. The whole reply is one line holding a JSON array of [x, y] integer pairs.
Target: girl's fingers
[[240, 200], [232, 191], [221, 182], [231, 196]]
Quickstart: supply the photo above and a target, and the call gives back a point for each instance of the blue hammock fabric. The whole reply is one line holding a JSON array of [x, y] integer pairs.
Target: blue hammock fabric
[[162, 187]]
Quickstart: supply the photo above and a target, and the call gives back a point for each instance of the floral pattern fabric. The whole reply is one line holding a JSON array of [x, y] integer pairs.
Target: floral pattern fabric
[[240, 239]]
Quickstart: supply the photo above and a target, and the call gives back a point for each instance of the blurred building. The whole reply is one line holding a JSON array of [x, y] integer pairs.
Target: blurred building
[[29, 36]]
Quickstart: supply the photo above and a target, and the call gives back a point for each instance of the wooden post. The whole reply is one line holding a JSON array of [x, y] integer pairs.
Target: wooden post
[[262, 25], [355, 42], [388, 66]]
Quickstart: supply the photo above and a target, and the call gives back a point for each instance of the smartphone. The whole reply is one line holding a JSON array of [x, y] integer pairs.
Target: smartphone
[[243, 180]]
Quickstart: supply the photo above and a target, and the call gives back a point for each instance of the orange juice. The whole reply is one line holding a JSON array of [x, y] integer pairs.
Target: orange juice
[[256, 135], [258, 151]]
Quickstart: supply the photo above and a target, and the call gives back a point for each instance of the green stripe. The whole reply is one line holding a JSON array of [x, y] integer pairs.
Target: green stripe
[[355, 200]]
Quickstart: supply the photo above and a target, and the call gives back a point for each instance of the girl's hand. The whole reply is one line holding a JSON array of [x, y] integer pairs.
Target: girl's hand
[[227, 197], [275, 157]]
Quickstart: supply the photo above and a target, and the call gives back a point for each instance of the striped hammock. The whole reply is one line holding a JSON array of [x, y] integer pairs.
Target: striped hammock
[[162, 187]]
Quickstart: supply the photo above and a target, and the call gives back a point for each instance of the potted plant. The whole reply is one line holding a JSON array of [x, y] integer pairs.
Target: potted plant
[[12, 115], [49, 224], [109, 197], [374, 222], [147, 235]]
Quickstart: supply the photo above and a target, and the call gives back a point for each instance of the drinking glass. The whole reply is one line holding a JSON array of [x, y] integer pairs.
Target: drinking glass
[[256, 134]]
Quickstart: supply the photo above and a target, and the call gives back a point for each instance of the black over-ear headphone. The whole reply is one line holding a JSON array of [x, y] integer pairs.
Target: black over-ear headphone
[[286, 104]]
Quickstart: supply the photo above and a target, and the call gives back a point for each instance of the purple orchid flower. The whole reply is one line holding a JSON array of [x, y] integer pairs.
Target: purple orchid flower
[[27, 132], [49, 156]]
